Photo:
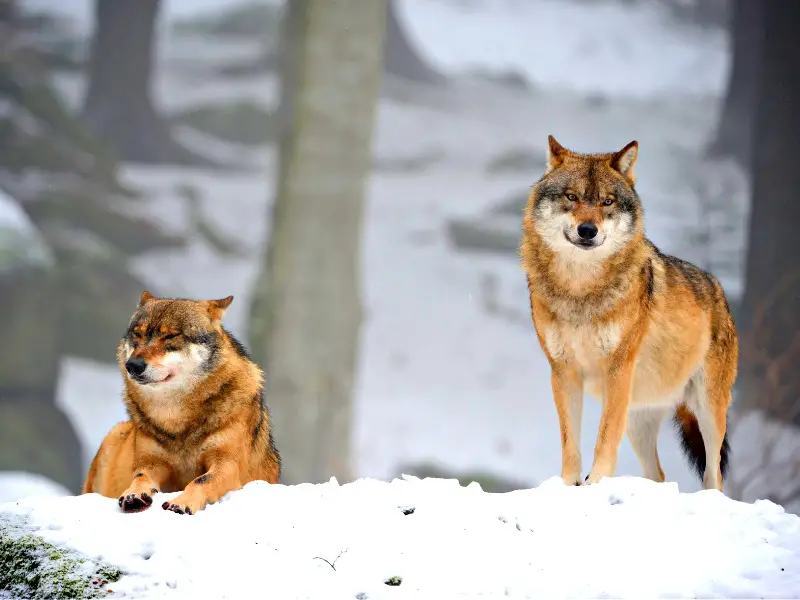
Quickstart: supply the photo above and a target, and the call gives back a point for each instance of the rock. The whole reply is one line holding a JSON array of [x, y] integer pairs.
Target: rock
[[489, 482], [509, 79], [492, 233], [241, 122], [34, 568]]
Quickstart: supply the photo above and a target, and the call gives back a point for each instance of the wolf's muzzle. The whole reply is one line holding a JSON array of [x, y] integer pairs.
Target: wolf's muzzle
[[135, 367], [587, 230]]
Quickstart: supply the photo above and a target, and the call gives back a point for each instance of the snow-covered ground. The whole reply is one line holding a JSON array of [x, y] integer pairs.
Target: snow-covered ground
[[443, 378], [19, 484], [622, 538]]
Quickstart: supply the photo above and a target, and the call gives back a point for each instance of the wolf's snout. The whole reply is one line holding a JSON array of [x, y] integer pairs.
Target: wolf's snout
[[587, 230], [135, 366]]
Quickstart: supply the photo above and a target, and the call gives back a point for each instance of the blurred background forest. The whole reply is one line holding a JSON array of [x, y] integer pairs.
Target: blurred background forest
[[355, 176]]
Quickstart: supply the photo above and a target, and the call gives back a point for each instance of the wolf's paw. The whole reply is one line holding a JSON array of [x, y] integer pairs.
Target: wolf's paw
[[571, 478], [181, 509], [134, 501], [184, 504], [595, 475]]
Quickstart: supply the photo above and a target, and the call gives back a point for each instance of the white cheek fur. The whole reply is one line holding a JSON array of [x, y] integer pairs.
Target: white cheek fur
[[551, 227], [188, 362], [618, 231], [172, 359], [198, 354]]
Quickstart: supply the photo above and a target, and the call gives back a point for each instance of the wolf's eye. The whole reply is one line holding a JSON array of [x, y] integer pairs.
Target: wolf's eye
[[572, 197], [171, 336], [608, 201]]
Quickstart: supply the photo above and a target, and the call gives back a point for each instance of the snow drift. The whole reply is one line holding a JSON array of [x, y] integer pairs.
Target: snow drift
[[624, 538]]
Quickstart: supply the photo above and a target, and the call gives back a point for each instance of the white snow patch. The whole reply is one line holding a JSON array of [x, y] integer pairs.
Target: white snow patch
[[21, 244], [15, 485], [588, 47], [622, 538], [12, 216]]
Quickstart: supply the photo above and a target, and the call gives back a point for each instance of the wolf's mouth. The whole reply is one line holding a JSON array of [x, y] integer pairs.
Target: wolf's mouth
[[147, 381], [582, 244]]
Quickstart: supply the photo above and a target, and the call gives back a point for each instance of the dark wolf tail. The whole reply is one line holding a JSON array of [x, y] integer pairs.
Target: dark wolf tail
[[692, 442]]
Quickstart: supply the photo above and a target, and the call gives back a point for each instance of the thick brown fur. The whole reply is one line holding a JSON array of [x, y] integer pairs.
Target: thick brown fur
[[646, 333], [198, 422]]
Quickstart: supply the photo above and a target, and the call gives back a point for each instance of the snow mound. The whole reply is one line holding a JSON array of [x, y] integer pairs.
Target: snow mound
[[19, 484], [624, 538]]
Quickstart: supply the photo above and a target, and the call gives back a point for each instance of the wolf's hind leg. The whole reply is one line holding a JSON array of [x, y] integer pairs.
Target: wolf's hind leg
[[642, 429], [709, 401]]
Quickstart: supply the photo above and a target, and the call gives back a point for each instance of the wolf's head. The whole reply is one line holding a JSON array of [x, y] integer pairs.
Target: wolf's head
[[172, 344], [586, 203]]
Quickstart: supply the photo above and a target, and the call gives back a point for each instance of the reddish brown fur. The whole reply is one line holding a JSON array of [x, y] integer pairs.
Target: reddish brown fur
[[646, 333], [206, 439]]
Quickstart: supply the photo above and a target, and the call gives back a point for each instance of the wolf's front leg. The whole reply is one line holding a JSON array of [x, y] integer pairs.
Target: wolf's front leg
[[619, 383], [568, 395], [147, 481], [223, 476]]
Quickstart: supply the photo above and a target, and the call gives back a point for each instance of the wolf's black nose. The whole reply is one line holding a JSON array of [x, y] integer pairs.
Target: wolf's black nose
[[587, 230], [135, 366]]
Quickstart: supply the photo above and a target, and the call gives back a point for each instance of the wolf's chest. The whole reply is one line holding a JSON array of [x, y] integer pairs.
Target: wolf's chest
[[587, 345]]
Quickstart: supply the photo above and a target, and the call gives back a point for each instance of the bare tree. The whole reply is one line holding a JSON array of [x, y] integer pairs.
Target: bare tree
[[306, 309], [118, 106], [771, 262], [734, 134]]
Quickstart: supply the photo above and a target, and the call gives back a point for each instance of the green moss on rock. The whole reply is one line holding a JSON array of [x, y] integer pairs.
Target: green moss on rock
[[34, 568]]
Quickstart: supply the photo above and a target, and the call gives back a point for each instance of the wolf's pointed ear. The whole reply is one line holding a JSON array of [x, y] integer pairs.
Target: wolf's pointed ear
[[217, 308], [145, 298], [624, 161], [555, 153]]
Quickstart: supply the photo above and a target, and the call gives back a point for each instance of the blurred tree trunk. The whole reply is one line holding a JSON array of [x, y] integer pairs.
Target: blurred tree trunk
[[306, 310], [118, 106], [35, 435], [399, 56], [734, 135], [770, 312], [8, 11]]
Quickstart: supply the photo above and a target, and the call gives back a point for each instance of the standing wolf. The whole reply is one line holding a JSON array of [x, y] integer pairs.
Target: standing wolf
[[648, 334], [198, 422]]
